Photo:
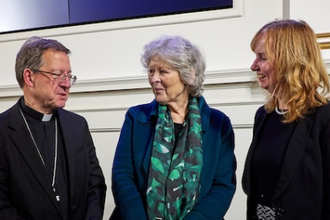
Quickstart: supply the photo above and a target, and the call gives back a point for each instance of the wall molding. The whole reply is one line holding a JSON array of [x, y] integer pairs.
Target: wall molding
[[218, 77], [117, 130], [220, 80], [108, 90], [140, 82], [323, 40]]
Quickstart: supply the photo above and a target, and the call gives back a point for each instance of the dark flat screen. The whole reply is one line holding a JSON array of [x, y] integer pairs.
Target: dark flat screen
[[22, 15]]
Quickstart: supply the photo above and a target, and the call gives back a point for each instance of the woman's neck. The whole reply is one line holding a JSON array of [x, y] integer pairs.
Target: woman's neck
[[282, 105], [179, 111]]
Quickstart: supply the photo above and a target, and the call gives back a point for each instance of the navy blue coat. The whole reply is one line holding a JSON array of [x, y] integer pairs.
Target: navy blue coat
[[132, 159], [303, 187], [25, 189]]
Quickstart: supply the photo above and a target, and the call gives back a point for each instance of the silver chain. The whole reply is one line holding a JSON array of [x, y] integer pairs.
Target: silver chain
[[40, 156]]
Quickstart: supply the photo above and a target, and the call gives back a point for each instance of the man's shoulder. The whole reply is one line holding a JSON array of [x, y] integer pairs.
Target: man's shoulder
[[65, 112], [6, 114], [69, 115]]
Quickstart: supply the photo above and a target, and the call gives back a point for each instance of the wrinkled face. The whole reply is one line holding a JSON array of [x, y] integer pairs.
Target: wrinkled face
[[50, 93], [264, 68], [165, 82]]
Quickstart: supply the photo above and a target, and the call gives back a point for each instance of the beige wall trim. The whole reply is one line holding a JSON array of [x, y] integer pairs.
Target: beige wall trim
[[218, 77], [324, 40]]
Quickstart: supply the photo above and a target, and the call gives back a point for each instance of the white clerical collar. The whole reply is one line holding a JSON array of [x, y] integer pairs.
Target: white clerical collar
[[47, 117]]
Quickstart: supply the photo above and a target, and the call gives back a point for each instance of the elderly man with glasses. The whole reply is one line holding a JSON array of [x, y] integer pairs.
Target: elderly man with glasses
[[48, 166]]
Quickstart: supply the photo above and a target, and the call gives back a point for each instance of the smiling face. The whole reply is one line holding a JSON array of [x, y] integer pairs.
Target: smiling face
[[166, 83], [43, 93], [264, 68]]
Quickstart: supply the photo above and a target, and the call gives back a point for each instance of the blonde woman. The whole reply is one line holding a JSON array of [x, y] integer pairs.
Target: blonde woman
[[287, 170]]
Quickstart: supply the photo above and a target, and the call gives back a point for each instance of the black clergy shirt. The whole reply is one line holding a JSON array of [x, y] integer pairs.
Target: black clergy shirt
[[44, 134]]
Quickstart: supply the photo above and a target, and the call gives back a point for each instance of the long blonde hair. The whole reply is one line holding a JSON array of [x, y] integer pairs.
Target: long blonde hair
[[302, 80]]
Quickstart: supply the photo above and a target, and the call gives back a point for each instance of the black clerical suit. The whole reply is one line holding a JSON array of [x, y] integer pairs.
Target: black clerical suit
[[25, 185]]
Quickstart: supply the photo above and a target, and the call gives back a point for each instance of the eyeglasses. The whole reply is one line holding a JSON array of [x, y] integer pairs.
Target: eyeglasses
[[61, 76]]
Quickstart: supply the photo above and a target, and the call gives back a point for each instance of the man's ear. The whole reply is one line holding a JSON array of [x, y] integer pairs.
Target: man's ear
[[28, 77]]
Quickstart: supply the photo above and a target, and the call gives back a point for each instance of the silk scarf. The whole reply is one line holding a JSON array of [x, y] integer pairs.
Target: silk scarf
[[176, 165]]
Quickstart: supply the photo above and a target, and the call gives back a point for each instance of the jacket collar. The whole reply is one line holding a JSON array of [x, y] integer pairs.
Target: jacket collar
[[148, 112], [151, 110]]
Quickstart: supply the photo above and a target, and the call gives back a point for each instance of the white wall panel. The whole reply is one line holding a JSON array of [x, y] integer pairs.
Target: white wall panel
[[105, 143]]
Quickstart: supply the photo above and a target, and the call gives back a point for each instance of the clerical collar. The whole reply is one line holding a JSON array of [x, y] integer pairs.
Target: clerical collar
[[33, 113]]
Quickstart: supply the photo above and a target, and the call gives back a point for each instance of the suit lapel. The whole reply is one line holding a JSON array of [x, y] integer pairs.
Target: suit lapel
[[66, 127], [146, 159], [147, 120], [294, 154], [23, 141]]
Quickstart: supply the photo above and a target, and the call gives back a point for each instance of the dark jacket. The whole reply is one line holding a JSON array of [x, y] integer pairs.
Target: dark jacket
[[303, 187], [26, 193], [132, 159]]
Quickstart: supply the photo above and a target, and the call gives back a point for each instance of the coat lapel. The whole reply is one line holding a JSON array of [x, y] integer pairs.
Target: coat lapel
[[147, 119], [23, 141], [66, 127], [294, 154]]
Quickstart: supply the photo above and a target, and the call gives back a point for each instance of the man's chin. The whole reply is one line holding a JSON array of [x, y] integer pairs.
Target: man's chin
[[60, 104]]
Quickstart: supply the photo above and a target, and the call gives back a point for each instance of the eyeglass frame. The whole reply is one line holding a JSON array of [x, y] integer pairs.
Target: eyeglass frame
[[55, 76]]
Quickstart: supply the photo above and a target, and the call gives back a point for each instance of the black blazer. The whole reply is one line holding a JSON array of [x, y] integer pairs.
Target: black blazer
[[25, 192], [303, 187]]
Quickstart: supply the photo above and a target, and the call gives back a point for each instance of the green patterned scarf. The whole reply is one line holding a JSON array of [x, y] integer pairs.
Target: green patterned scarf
[[176, 165]]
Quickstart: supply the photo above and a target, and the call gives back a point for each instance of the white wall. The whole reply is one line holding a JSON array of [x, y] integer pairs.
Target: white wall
[[317, 14], [106, 59]]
